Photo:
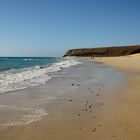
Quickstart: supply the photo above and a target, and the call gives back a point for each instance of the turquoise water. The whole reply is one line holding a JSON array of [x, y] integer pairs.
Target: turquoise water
[[7, 63], [22, 72]]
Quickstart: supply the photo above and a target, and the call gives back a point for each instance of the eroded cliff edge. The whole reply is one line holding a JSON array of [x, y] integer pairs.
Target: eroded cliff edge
[[104, 52]]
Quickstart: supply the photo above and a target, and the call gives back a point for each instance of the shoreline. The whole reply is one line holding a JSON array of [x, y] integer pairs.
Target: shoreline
[[111, 118]]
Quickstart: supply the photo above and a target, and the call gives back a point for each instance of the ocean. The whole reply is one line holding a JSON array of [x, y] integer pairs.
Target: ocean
[[21, 72]]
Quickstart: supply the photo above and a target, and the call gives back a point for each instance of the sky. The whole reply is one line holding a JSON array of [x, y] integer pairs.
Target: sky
[[51, 27]]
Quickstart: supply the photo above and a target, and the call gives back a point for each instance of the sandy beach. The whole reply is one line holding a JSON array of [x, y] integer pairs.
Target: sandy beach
[[130, 63], [69, 70], [86, 108], [125, 117]]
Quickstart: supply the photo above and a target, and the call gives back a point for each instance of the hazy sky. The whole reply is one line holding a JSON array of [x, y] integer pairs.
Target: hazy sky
[[50, 27]]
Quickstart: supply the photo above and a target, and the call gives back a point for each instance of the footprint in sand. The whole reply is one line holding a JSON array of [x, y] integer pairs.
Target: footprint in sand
[[79, 115], [100, 125], [94, 129]]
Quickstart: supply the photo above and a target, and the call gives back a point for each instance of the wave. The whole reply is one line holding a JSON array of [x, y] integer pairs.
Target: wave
[[34, 76], [29, 59]]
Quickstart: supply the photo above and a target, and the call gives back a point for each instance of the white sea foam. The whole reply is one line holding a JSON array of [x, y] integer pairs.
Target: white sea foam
[[21, 79], [27, 116], [29, 59]]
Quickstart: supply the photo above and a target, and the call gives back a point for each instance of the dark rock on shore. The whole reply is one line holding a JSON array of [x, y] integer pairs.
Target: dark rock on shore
[[104, 52]]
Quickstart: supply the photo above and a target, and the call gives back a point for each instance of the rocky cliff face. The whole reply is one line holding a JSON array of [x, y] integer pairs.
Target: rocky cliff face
[[104, 52]]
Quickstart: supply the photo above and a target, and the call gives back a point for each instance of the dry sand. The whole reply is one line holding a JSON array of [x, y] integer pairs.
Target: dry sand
[[125, 116], [115, 116], [129, 63]]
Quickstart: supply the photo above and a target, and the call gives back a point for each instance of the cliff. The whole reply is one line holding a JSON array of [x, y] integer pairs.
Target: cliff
[[104, 52]]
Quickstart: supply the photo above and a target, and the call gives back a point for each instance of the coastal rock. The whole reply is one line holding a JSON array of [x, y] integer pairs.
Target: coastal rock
[[104, 52]]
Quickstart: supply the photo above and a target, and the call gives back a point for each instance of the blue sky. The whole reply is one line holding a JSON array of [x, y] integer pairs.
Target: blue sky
[[51, 27]]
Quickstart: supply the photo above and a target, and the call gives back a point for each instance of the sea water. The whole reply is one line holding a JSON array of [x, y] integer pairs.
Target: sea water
[[21, 72]]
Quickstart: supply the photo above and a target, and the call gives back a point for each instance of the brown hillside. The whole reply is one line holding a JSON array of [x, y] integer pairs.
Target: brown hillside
[[104, 52]]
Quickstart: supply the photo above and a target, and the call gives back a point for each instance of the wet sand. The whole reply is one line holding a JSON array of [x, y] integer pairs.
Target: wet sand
[[87, 109]]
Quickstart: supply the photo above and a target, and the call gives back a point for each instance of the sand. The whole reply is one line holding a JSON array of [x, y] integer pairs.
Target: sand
[[125, 117], [129, 63], [85, 113]]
